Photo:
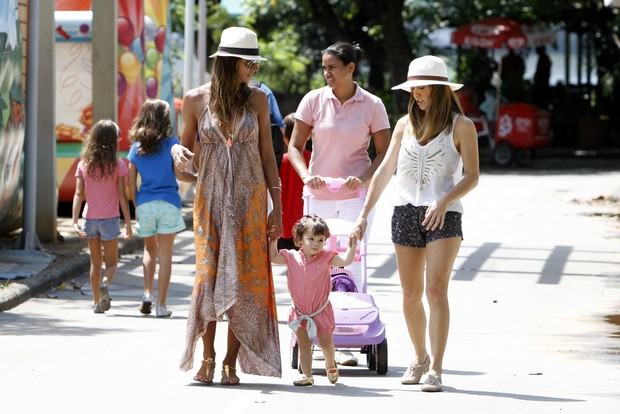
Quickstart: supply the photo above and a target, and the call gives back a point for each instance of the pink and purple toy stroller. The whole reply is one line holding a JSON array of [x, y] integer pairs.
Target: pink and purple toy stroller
[[358, 325]]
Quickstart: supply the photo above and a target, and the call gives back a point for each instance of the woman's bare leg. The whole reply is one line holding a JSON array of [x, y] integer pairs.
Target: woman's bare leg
[[440, 257]]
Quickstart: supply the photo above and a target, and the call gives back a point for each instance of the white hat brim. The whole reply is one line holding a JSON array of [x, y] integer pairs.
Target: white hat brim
[[406, 86], [246, 57]]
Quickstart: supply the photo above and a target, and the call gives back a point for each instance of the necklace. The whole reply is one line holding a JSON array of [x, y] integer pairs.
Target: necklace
[[231, 135]]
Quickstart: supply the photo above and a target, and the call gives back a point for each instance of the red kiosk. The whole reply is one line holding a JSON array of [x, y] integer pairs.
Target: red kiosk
[[519, 126]]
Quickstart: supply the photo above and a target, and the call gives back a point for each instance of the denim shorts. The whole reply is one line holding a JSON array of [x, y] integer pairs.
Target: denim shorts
[[159, 217], [407, 228], [105, 229]]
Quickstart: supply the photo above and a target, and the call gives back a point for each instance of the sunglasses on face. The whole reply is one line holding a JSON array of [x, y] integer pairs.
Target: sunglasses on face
[[251, 63]]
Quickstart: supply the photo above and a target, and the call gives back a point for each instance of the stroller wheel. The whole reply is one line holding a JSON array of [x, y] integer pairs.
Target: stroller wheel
[[382, 357], [371, 357]]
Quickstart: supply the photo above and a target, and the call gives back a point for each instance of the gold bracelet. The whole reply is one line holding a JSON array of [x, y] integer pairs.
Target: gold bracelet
[[277, 188]]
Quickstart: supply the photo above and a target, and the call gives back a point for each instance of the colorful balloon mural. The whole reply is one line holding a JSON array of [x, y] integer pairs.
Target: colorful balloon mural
[[130, 64], [144, 71]]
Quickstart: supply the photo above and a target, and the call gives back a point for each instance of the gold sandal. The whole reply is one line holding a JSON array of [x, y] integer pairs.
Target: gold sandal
[[210, 369], [226, 380], [304, 381], [332, 374]]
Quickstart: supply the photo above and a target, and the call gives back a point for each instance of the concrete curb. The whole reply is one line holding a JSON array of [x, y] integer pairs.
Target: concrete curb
[[60, 271], [20, 290]]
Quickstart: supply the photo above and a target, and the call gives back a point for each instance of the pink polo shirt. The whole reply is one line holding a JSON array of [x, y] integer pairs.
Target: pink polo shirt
[[341, 133]]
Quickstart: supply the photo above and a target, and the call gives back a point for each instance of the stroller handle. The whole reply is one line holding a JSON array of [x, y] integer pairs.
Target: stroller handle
[[336, 185]]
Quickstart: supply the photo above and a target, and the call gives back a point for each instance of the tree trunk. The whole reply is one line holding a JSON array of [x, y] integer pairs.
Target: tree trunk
[[389, 53]]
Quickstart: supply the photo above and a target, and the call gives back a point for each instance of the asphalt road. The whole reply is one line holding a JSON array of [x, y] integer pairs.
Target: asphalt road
[[535, 305]]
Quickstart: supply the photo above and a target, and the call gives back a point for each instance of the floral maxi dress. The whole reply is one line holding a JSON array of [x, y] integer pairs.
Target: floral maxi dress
[[233, 271]]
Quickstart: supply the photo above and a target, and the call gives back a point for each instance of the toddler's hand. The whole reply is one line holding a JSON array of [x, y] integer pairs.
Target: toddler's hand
[[352, 240], [359, 229], [274, 225]]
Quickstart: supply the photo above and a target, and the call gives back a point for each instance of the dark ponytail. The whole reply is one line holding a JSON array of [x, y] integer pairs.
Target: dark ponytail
[[346, 53]]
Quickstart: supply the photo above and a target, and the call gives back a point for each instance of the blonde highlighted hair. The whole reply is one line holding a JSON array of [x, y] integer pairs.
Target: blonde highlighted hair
[[437, 117]]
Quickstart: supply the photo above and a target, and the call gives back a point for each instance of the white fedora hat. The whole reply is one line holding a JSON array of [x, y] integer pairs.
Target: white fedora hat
[[427, 70], [238, 42]]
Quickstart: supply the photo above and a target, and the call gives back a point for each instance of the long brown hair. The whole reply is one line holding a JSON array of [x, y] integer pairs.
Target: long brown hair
[[151, 125], [228, 94], [437, 117], [100, 149]]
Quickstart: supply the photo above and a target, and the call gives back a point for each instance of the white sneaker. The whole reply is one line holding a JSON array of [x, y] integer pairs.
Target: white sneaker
[[162, 312], [346, 358], [104, 297], [145, 306]]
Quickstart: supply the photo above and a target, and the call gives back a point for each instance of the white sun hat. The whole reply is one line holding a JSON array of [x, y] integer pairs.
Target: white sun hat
[[238, 42], [427, 70]]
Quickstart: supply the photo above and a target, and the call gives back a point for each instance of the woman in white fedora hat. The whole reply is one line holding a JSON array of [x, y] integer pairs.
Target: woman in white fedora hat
[[434, 149], [236, 168]]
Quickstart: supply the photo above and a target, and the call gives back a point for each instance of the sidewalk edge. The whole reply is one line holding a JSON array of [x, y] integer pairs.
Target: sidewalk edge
[[20, 290]]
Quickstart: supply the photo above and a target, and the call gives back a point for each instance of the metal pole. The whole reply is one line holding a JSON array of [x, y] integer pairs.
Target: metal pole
[[189, 47], [28, 239], [498, 92], [579, 57], [47, 189], [567, 53], [202, 41]]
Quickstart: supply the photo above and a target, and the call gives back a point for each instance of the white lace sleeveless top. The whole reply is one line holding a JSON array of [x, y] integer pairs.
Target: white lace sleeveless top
[[426, 172]]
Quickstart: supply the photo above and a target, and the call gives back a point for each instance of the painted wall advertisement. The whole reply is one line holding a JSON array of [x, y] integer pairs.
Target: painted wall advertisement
[[12, 117]]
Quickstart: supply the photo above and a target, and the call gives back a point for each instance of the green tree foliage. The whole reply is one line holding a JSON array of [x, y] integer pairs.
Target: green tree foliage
[[292, 34]]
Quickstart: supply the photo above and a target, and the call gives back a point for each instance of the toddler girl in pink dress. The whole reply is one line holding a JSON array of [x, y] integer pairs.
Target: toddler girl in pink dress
[[309, 285]]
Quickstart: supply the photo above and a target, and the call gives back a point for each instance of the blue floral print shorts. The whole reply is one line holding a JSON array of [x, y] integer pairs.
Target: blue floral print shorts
[[407, 229], [159, 217]]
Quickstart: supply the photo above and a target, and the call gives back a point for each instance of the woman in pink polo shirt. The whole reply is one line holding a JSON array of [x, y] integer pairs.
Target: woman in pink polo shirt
[[341, 118]]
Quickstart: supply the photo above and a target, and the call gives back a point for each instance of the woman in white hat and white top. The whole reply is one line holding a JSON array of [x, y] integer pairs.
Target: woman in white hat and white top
[[236, 168], [434, 149]]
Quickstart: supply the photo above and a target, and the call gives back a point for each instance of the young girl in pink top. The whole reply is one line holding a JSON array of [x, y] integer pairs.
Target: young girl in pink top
[[100, 181], [309, 285]]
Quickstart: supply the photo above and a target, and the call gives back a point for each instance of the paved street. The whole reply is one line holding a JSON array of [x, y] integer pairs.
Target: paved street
[[534, 293]]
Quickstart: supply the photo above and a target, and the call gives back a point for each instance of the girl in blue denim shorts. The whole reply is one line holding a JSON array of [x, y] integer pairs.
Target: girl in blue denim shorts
[[100, 181]]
